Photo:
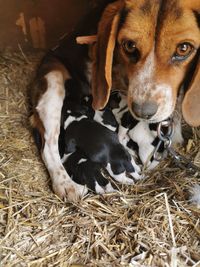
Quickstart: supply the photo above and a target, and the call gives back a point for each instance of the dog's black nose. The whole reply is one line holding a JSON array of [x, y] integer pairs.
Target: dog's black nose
[[144, 110]]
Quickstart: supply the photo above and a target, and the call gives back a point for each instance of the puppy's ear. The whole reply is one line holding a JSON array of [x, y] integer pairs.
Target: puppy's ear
[[103, 54], [191, 101]]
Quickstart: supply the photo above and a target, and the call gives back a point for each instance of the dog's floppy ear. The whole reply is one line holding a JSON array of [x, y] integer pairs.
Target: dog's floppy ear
[[103, 54], [191, 101]]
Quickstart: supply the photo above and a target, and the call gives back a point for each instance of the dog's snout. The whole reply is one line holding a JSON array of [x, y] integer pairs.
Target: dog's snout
[[144, 110]]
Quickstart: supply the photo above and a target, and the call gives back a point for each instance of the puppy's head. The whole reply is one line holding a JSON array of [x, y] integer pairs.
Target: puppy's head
[[153, 45]]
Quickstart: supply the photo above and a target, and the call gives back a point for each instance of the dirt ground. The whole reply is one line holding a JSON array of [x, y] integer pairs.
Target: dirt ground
[[152, 223]]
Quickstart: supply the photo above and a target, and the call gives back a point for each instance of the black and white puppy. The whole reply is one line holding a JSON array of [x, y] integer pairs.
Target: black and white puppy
[[102, 146], [86, 172], [91, 142], [139, 137]]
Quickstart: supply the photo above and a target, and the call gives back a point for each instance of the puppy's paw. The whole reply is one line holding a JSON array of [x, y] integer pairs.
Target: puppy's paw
[[65, 188], [121, 177], [137, 176], [104, 189], [87, 173], [136, 166]]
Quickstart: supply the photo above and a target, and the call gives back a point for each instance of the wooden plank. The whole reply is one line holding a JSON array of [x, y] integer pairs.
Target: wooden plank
[[38, 24]]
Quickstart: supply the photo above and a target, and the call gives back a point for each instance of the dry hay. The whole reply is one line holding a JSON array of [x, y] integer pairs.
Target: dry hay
[[152, 223]]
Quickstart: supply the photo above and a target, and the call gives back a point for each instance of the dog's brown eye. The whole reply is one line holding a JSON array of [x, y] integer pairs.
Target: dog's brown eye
[[131, 50], [183, 50], [129, 46]]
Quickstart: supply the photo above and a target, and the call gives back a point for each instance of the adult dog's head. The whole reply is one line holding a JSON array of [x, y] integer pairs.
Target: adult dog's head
[[155, 47]]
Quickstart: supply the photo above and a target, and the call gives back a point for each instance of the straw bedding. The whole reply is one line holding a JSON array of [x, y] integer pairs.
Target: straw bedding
[[152, 223]]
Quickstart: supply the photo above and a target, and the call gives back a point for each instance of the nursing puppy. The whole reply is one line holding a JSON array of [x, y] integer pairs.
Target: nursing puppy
[[146, 48], [94, 134], [91, 144], [101, 145], [140, 138], [86, 145]]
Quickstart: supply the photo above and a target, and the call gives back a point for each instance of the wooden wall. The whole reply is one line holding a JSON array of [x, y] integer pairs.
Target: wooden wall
[[38, 24]]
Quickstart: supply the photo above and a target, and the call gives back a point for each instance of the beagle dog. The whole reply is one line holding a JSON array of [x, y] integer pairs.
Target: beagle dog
[[147, 49]]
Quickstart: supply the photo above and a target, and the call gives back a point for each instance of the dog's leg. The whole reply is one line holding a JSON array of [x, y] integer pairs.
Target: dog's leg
[[48, 110]]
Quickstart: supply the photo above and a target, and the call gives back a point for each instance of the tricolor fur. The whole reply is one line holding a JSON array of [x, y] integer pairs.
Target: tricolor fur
[[146, 49]]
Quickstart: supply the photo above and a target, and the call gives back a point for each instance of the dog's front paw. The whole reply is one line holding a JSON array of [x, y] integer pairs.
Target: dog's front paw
[[65, 188]]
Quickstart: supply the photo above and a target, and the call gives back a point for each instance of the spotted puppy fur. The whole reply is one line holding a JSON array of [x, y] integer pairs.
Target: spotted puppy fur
[[95, 140]]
